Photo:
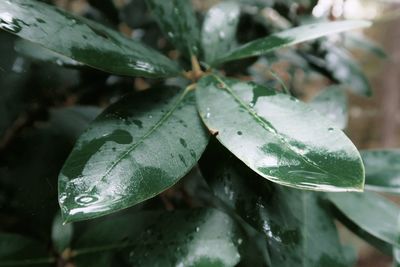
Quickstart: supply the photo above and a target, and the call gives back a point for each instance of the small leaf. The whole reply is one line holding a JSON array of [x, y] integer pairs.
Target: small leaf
[[16, 250], [178, 21], [290, 37], [134, 150], [82, 40], [347, 71], [332, 103], [61, 234], [279, 137], [372, 213], [219, 29], [204, 237], [360, 41], [382, 170], [299, 232]]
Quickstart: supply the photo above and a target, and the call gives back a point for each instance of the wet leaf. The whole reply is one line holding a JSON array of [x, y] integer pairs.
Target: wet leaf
[[219, 29], [16, 250], [178, 21], [382, 170], [279, 137], [39, 53], [61, 235], [290, 37], [372, 213], [82, 40], [204, 237], [299, 232], [332, 103], [134, 150]]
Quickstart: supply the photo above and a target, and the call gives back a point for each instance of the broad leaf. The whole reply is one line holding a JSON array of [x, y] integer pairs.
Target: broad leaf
[[82, 40], [279, 137], [332, 103], [134, 150], [290, 37], [298, 230], [372, 213], [61, 234], [219, 29], [382, 170], [180, 238], [16, 250], [39, 53], [178, 21]]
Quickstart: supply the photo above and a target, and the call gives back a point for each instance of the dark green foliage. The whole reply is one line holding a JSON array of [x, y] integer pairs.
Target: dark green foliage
[[249, 200]]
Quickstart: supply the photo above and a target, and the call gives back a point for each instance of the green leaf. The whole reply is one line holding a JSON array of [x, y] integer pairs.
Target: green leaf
[[204, 237], [290, 37], [82, 40], [72, 121], [61, 234], [332, 103], [219, 29], [134, 150], [372, 213], [346, 70], [360, 41], [16, 250], [39, 53], [279, 137], [382, 170], [178, 21], [299, 232]]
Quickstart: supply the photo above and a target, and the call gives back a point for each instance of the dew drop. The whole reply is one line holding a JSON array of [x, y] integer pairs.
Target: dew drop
[[197, 229], [330, 129], [239, 133], [171, 35]]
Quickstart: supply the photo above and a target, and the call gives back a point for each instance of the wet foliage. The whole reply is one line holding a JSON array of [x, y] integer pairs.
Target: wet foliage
[[154, 133]]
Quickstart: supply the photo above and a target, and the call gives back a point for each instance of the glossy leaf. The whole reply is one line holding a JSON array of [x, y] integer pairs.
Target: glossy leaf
[[39, 53], [180, 238], [382, 170], [82, 40], [370, 212], [332, 103], [219, 29], [290, 37], [16, 250], [177, 20], [347, 71], [279, 137], [298, 230], [61, 234], [134, 150]]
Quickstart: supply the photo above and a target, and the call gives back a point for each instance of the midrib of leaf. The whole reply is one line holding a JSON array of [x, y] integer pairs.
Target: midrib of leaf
[[152, 130], [27, 262], [266, 126]]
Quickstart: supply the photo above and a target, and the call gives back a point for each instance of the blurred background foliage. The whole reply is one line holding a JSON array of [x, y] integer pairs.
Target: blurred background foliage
[[45, 104]]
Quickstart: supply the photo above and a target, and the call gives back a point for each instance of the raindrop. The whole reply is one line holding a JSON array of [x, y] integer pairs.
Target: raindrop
[[197, 229], [221, 35], [171, 35], [183, 142], [240, 241], [86, 199], [330, 129], [239, 133]]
